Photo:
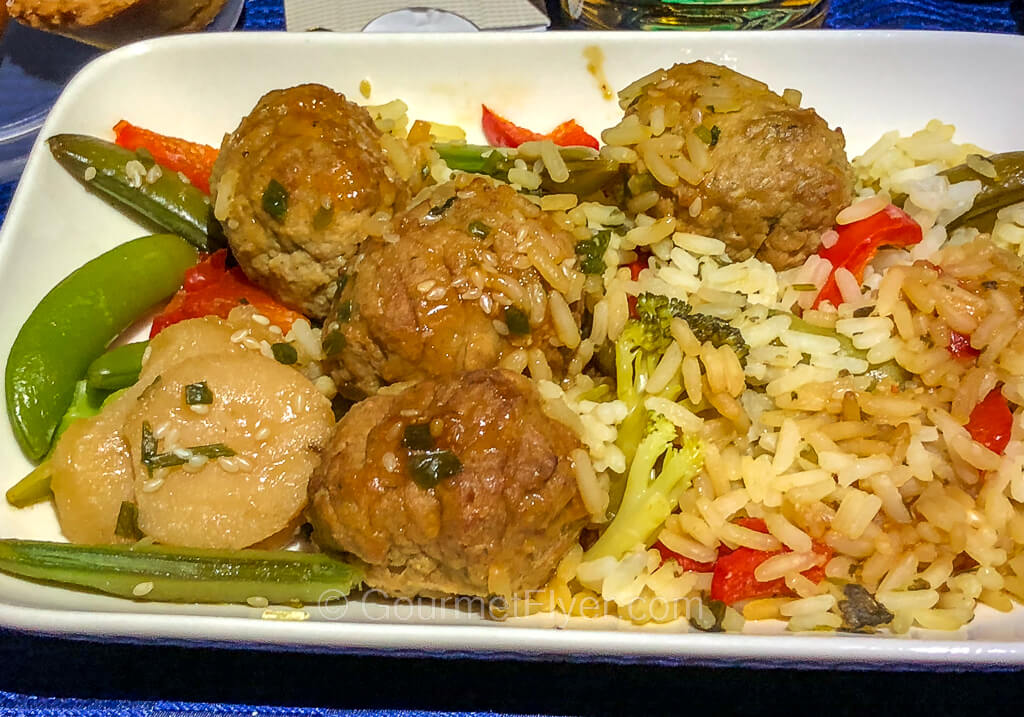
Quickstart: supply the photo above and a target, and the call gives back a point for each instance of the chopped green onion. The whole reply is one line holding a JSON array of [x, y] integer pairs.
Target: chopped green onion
[[170, 460], [417, 437], [516, 321], [804, 287], [703, 134], [322, 218], [479, 230], [128, 521], [591, 252], [198, 394], [344, 311], [438, 211], [334, 343], [284, 353], [275, 200], [716, 132], [430, 468], [148, 446]]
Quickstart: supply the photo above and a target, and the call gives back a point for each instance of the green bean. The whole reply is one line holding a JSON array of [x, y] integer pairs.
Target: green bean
[[1006, 188], [587, 172], [117, 368], [192, 575], [169, 202], [32, 488], [73, 324]]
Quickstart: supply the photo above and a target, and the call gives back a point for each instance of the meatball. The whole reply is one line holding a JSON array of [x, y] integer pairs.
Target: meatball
[[295, 187], [499, 525], [759, 173], [475, 273]]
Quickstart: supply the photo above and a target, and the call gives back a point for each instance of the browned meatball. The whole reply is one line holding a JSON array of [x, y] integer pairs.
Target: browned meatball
[[499, 525], [776, 175], [466, 279], [295, 186]]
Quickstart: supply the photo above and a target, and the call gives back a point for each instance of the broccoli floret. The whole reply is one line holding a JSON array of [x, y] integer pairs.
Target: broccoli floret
[[719, 332], [650, 494]]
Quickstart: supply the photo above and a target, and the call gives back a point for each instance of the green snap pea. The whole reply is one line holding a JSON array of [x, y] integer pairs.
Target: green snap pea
[[169, 202], [73, 324], [1006, 188], [191, 575], [117, 368]]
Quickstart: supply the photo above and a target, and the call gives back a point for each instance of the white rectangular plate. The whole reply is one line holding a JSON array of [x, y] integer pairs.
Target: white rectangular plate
[[200, 86]]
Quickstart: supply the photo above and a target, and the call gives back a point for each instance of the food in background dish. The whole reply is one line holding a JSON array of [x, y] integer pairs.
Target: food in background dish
[[109, 23], [697, 431]]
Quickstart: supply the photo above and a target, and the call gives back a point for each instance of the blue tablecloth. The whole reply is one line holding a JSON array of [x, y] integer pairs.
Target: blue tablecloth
[[50, 676]]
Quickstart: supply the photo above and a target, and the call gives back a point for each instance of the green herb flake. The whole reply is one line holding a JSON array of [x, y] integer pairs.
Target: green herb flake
[[438, 211], [431, 467], [516, 321], [334, 343], [804, 287], [479, 230], [322, 218], [591, 252], [284, 353], [127, 525], [209, 450], [703, 134], [716, 132], [712, 620], [275, 200], [417, 437], [344, 312], [243, 301], [148, 446], [861, 610], [198, 394]]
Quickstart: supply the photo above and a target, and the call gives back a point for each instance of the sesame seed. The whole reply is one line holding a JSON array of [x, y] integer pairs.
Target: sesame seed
[[425, 286], [486, 303], [250, 343], [243, 463], [257, 601], [239, 335], [228, 464], [263, 434], [276, 330], [436, 293], [390, 461], [182, 453], [90, 174], [152, 485], [261, 319], [154, 174], [142, 589], [161, 429], [500, 327], [195, 463]]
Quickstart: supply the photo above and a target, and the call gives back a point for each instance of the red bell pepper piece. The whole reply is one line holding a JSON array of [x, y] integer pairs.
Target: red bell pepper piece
[[500, 132], [193, 160], [211, 289], [960, 346], [860, 241], [684, 562], [634, 273], [734, 580], [991, 422]]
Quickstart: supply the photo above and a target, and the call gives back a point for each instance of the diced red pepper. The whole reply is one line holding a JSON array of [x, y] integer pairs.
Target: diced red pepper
[[858, 243], [960, 346], [211, 289], [684, 562], [634, 273], [734, 580], [991, 422], [500, 132], [193, 160]]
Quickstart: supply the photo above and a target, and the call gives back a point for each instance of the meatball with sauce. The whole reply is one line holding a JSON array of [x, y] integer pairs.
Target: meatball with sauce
[[459, 485], [733, 160], [474, 276], [296, 186]]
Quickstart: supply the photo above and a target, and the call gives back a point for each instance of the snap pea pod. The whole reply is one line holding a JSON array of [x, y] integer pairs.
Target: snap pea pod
[[890, 369], [587, 172], [117, 368], [73, 324], [192, 575], [169, 202], [1006, 188]]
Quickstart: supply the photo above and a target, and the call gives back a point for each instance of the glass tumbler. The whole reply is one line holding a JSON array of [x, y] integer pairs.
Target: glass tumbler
[[693, 14]]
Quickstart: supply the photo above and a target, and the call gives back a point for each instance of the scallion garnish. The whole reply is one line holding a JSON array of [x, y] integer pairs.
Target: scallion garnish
[[198, 394], [334, 343], [591, 252], [275, 200], [431, 467], [479, 230], [417, 437], [127, 525], [516, 321], [344, 312], [438, 211], [284, 353], [172, 459]]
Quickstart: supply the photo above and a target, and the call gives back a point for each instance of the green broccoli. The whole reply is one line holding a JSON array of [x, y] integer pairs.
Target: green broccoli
[[719, 332], [650, 493]]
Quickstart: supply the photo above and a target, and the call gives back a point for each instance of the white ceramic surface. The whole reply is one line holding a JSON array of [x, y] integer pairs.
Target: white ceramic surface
[[199, 87]]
